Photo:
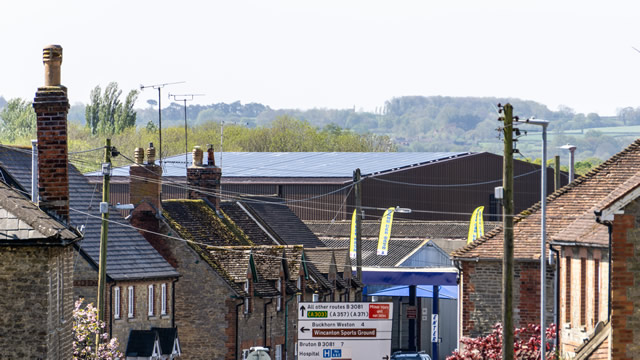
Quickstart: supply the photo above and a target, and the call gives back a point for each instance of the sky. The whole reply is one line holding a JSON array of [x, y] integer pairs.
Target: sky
[[331, 54]]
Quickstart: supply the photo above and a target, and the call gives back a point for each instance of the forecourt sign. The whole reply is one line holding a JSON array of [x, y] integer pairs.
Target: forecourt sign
[[344, 331]]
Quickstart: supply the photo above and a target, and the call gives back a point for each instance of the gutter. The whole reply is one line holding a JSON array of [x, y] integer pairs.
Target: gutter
[[609, 226]]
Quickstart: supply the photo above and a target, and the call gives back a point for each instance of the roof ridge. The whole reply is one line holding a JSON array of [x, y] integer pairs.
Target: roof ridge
[[634, 146]]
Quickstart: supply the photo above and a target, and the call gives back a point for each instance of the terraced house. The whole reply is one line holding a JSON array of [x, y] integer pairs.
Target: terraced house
[[240, 279], [591, 223]]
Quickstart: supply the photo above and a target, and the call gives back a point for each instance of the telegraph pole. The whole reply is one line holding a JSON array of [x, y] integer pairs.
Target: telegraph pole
[[104, 210], [159, 87], [185, 98], [358, 195], [507, 221]]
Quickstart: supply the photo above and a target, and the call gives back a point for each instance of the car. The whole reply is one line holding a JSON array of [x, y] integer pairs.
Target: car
[[410, 355]]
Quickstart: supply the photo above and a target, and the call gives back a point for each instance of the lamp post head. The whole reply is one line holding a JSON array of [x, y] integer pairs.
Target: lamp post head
[[569, 147]]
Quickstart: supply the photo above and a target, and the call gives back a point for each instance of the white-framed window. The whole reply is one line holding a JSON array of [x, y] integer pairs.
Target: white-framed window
[[163, 299], [278, 352], [246, 299], [131, 304], [279, 299], [316, 297], [116, 302], [299, 285], [150, 300]]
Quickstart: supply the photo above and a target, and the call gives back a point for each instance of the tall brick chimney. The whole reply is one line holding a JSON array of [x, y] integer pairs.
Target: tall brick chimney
[[51, 106], [145, 179], [203, 177]]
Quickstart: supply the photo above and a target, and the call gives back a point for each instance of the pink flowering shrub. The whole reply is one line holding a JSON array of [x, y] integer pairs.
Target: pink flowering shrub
[[85, 328], [526, 345]]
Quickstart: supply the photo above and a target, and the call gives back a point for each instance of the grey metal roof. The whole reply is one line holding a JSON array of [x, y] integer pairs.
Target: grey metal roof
[[301, 164], [129, 255]]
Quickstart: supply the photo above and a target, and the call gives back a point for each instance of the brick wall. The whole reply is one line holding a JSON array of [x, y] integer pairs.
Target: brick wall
[[37, 302], [624, 296], [482, 295], [51, 106], [145, 184], [204, 178]]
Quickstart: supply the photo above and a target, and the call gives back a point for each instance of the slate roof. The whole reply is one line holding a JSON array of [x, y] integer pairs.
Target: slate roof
[[129, 255], [401, 228], [31, 224], [242, 219], [140, 343], [280, 220], [570, 210], [303, 164]]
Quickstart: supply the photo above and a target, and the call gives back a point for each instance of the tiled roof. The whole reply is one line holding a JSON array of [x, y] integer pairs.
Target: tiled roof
[[570, 210], [398, 250], [401, 228], [321, 258], [196, 221], [279, 219], [31, 224], [243, 220], [129, 255]]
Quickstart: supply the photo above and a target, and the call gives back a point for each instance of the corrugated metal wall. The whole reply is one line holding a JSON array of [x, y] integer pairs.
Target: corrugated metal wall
[[439, 202]]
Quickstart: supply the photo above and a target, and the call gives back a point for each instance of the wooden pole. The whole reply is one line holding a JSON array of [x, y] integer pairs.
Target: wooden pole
[[507, 261], [358, 196], [102, 266]]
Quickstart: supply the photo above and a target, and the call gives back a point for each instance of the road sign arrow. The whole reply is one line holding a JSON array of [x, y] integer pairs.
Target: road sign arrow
[[303, 329], [302, 309]]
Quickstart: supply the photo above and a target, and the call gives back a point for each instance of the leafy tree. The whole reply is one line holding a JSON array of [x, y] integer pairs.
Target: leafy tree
[[18, 120], [106, 114], [85, 329]]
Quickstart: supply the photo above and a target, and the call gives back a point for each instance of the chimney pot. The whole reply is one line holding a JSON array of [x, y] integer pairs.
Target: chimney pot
[[211, 161], [197, 156], [138, 155], [151, 154], [52, 59]]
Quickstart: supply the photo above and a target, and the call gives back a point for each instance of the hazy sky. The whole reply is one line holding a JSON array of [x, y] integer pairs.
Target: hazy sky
[[334, 54]]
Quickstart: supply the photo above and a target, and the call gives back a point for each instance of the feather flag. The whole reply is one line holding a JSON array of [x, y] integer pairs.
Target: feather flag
[[385, 231], [476, 225], [352, 239]]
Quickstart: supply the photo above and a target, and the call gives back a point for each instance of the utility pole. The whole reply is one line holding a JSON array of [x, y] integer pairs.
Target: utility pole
[[358, 195], [507, 221], [104, 210], [557, 173], [159, 87], [185, 98]]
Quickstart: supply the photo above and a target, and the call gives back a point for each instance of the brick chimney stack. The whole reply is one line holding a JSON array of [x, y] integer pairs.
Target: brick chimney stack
[[145, 179], [51, 106], [204, 178]]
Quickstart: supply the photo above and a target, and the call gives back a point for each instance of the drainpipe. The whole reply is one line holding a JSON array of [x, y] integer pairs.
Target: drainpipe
[[264, 342], [237, 307], [556, 300], [286, 324], [609, 225], [34, 171], [173, 303], [111, 312]]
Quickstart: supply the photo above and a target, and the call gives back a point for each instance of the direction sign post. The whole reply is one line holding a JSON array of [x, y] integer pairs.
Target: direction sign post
[[344, 331]]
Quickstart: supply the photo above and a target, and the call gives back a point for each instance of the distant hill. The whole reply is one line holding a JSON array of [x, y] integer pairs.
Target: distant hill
[[434, 123]]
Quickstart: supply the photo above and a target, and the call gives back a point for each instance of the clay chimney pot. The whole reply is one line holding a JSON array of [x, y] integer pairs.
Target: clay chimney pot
[[52, 59]]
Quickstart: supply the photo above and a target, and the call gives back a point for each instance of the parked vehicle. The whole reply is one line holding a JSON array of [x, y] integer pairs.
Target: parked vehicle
[[410, 355], [259, 353]]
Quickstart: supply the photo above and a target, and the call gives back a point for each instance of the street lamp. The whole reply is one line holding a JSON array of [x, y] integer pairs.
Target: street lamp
[[543, 227], [572, 150]]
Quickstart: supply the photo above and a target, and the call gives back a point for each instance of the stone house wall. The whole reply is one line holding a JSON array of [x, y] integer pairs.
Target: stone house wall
[[37, 305], [482, 295]]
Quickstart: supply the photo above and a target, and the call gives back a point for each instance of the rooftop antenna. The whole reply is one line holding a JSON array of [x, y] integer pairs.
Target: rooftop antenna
[[185, 98], [159, 87]]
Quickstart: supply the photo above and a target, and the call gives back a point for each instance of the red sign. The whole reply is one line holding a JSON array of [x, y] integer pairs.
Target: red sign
[[378, 311], [412, 312]]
